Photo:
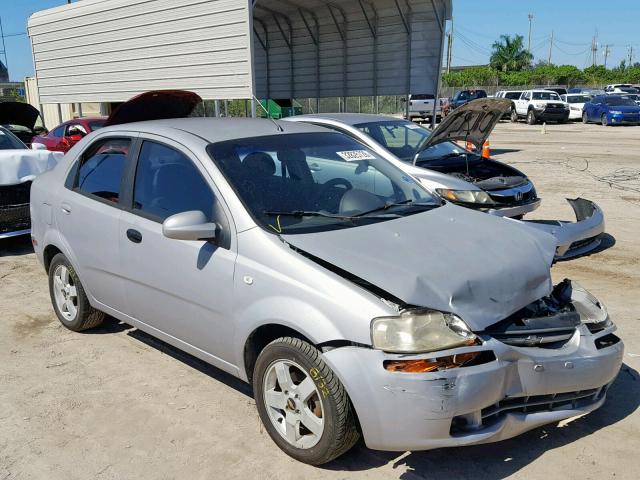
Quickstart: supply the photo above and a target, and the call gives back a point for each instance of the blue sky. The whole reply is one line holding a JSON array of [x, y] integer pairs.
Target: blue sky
[[477, 24]]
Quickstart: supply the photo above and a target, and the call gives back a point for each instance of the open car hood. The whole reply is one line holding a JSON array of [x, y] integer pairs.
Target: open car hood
[[471, 122], [18, 113], [155, 105], [481, 267]]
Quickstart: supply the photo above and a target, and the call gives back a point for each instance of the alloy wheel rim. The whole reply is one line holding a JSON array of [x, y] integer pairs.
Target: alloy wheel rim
[[65, 293], [293, 403]]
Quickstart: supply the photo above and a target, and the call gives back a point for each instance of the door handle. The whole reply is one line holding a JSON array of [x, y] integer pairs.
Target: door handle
[[134, 235], [66, 208]]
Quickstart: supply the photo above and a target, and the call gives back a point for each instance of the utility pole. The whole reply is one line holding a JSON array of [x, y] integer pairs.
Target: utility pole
[[630, 49], [594, 52], [4, 47], [449, 47], [606, 53], [530, 22], [550, 48]]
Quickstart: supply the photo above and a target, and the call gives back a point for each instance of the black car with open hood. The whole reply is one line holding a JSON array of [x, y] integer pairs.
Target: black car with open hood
[[21, 119]]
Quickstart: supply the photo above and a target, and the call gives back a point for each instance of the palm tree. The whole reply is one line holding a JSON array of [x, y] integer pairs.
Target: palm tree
[[509, 54]]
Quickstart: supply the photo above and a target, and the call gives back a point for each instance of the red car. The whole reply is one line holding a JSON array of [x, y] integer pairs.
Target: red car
[[67, 134]]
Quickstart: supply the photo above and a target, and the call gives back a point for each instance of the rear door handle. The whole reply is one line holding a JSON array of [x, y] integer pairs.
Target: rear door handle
[[134, 235], [66, 208]]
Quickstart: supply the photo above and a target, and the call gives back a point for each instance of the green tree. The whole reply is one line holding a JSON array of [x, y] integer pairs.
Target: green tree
[[509, 54]]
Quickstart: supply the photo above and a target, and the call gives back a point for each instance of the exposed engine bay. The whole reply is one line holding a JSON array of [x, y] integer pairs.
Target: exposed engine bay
[[551, 321], [484, 173]]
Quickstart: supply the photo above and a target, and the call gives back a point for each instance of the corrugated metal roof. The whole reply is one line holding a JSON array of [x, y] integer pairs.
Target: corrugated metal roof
[[111, 50]]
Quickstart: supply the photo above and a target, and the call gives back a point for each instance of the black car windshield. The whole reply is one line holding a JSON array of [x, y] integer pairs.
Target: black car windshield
[[8, 141], [619, 101], [404, 139], [512, 95], [309, 182], [578, 99]]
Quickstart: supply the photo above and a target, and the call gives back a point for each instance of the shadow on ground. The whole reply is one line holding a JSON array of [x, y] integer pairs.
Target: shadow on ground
[[491, 461], [14, 246]]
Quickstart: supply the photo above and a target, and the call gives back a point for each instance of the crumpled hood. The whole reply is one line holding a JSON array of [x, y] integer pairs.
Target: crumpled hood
[[481, 267], [19, 166]]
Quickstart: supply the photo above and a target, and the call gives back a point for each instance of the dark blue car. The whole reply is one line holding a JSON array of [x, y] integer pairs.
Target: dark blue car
[[465, 96], [611, 110]]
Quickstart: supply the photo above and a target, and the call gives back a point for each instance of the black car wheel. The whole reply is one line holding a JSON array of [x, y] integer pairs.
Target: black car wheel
[[604, 121], [514, 115], [585, 117], [531, 118]]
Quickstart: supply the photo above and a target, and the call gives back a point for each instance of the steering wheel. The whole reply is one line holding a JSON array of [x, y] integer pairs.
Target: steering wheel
[[326, 192]]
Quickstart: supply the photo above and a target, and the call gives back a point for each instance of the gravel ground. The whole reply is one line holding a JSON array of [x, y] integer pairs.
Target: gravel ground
[[115, 403]]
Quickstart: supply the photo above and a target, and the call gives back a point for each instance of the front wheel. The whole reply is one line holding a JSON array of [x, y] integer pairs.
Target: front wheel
[[585, 117], [531, 118], [514, 116], [603, 120], [302, 404]]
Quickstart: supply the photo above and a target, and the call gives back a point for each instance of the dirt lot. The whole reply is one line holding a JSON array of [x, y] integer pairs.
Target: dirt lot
[[115, 403]]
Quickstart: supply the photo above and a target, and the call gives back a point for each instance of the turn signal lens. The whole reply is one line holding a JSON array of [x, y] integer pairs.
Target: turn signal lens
[[430, 364]]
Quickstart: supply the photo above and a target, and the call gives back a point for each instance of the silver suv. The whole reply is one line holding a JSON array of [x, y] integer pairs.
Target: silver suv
[[299, 260]]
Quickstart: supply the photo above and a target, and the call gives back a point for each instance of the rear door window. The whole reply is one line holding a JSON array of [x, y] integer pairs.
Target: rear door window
[[101, 169]]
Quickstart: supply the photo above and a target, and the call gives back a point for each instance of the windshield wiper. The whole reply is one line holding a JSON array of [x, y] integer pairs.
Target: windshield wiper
[[303, 213], [387, 206]]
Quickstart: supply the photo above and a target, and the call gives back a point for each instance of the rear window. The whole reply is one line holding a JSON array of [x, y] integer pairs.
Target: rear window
[[423, 96]]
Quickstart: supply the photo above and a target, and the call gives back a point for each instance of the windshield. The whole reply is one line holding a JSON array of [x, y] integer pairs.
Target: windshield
[[8, 141], [619, 101], [423, 97], [545, 96], [577, 99], [404, 139], [309, 182], [96, 124]]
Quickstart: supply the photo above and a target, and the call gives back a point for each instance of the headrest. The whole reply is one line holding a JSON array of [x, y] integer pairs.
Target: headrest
[[260, 163]]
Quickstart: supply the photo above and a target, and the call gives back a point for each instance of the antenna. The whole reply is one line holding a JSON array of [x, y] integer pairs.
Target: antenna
[[278, 126]]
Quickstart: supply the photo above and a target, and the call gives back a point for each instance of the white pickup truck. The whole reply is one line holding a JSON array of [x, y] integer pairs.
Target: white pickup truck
[[540, 106], [421, 107]]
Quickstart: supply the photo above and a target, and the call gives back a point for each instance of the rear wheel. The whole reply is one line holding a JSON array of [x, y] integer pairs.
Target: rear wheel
[[531, 118], [302, 404], [68, 297]]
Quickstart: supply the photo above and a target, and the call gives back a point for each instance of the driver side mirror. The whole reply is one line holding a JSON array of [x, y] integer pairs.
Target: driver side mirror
[[192, 225]]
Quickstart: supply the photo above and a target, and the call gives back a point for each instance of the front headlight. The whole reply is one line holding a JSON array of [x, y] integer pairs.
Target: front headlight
[[466, 196], [615, 112], [419, 331], [539, 105]]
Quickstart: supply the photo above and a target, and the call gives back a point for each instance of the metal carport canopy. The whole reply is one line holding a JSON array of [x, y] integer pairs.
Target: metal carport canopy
[[111, 50]]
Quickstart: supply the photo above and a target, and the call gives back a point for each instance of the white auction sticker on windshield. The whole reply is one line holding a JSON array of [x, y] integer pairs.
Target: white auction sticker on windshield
[[355, 155], [413, 126]]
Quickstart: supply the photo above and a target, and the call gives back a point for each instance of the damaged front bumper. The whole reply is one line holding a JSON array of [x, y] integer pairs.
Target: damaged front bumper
[[575, 238], [508, 390]]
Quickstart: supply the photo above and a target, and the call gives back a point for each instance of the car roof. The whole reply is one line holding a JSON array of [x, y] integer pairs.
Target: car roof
[[215, 129], [349, 118]]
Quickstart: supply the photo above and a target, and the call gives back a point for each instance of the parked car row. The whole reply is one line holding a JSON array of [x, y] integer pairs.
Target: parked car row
[[317, 259]]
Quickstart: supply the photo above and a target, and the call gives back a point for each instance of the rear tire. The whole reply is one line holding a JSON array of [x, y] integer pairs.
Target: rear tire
[[68, 297], [293, 388], [531, 118]]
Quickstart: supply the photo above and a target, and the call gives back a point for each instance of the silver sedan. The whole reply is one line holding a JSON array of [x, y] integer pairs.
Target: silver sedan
[[353, 300]]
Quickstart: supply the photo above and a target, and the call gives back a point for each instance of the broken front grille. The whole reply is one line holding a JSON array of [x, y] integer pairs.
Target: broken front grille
[[542, 403], [14, 218], [13, 195], [526, 405]]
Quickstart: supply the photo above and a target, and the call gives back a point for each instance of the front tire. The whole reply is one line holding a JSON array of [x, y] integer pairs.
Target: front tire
[[302, 404], [604, 121], [531, 118], [68, 297], [514, 115], [585, 117]]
